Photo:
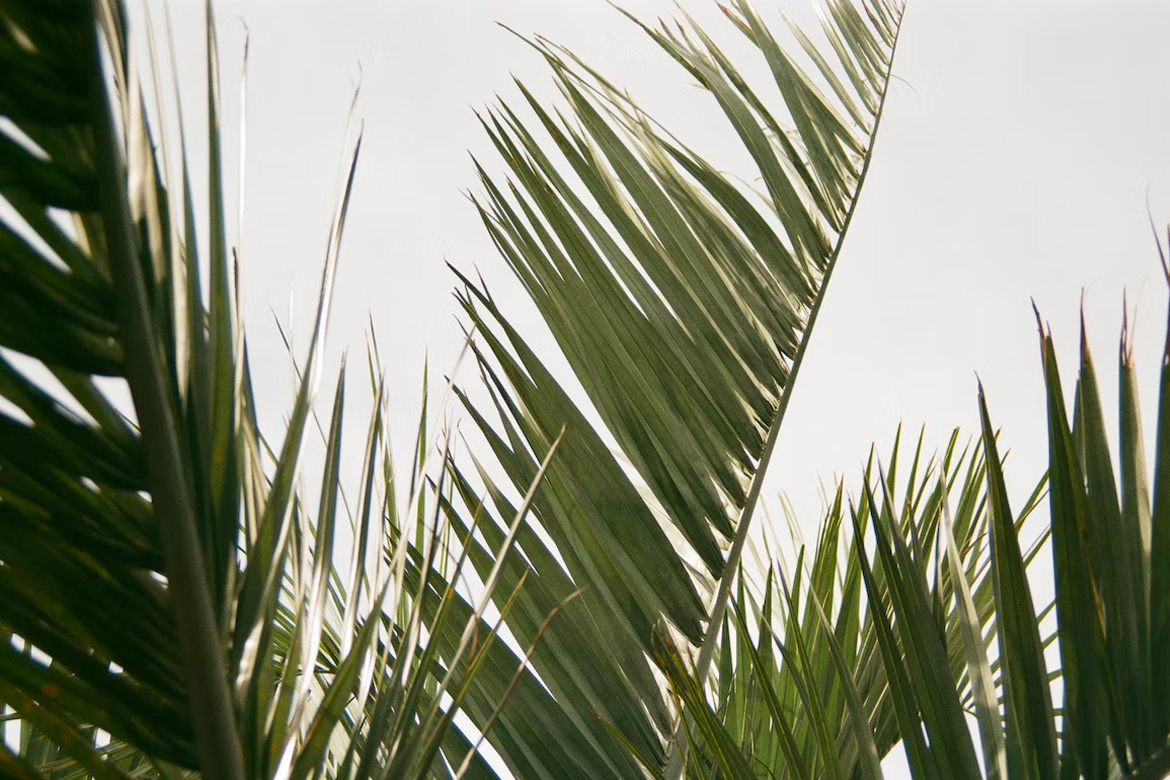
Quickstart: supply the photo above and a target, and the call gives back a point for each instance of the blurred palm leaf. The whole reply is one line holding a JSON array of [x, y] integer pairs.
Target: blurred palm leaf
[[120, 522], [683, 300]]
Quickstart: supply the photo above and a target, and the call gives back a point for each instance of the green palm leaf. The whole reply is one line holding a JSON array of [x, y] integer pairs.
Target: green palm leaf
[[823, 677], [1108, 594], [167, 602], [1103, 535], [62, 594], [683, 301]]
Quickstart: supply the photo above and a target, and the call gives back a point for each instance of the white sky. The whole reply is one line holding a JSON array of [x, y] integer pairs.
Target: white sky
[[1022, 149]]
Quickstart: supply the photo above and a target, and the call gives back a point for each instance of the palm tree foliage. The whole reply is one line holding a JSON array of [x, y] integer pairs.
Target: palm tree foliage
[[106, 278], [683, 302], [959, 648], [1111, 538], [1109, 535], [801, 686], [805, 685], [118, 528], [172, 599]]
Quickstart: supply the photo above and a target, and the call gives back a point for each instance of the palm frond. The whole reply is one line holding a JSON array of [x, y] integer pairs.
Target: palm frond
[[683, 300], [1109, 590], [61, 469], [168, 604], [830, 663], [1104, 535]]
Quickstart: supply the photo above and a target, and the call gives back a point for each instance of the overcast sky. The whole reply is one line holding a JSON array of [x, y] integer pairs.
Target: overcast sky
[[1022, 149]]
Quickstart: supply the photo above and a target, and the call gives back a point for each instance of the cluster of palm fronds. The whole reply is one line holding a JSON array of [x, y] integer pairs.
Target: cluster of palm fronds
[[168, 602], [169, 605], [950, 627]]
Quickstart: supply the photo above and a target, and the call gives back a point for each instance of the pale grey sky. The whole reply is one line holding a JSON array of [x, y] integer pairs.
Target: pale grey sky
[[1021, 145]]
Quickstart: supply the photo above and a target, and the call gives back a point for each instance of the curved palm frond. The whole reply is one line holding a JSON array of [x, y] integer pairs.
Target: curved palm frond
[[683, 302], [80, 537]]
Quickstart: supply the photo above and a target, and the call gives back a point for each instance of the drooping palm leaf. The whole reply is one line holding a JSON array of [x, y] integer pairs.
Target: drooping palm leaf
[[683, 301]]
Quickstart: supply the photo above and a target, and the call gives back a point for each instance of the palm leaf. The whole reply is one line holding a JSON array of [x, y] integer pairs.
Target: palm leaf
[[1103, 530], [1108, 593], [820, 682], [683, 301], [77, 160], [122, 522]]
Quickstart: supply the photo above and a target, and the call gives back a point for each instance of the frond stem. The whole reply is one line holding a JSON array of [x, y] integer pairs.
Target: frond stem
[[213, 716], [674, 766]]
